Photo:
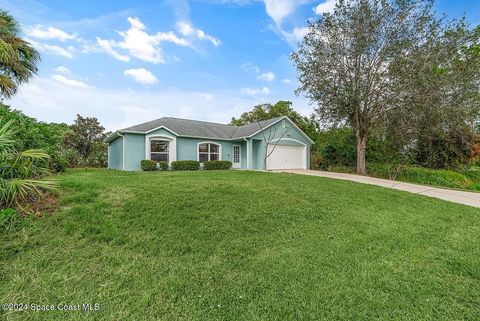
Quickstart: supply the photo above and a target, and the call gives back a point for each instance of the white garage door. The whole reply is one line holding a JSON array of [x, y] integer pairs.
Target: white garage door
[[286, 157]]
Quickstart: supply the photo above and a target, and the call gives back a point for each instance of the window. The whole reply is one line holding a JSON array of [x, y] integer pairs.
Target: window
[[159, 150], [208, 152]]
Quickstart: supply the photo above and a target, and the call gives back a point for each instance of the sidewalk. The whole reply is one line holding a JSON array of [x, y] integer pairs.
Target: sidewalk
[[466, 198]]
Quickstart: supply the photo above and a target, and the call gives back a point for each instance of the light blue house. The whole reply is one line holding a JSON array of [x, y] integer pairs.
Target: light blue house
[[169, 139]]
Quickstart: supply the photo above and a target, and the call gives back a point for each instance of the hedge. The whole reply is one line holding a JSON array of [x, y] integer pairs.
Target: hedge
[[185, 165], [163, 165], [217, 165], [148, 165], [151, 165]]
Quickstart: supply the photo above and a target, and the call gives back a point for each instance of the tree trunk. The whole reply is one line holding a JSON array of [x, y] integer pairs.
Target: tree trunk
[[361, 149]]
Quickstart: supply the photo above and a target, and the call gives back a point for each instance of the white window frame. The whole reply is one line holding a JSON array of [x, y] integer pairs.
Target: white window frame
[[209, 142], [155, 139], [172, 146]]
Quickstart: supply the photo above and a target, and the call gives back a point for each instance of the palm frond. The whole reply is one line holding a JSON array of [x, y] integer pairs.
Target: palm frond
[[35, 154], [6, 136], [14, 191]]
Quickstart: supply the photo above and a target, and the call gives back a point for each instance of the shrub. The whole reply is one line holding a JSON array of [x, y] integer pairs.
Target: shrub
[[58, 162], [72, 157], [20, 170], [148, 165], [163, 166], [185, 165], [217, 165]]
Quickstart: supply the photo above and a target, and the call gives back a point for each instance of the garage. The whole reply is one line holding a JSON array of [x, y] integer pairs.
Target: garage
[[286, 157]]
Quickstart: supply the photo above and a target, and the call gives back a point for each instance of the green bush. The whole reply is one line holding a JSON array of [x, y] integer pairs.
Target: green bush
[[217, 165], [185, 165], [163, 166], [72, 157], [58, 162], [148, 165]]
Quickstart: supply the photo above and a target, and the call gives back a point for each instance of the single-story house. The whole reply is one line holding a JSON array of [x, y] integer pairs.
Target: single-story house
[[169, 139]]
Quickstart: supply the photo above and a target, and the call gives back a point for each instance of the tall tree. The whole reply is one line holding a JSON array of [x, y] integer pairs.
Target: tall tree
[[86, 136], [18, 59], [344, 61], [281, 108], [439, 86]]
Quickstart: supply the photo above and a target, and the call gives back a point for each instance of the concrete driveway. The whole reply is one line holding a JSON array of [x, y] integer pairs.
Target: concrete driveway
[[466, 198]]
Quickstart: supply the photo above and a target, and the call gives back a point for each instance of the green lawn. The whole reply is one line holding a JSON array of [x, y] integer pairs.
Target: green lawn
[[235, 245]]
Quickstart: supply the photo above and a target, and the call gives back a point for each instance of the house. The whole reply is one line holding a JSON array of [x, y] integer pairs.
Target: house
[[169, 139]]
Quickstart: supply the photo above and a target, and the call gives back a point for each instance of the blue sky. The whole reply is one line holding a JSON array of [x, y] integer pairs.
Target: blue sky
[[127, 62]]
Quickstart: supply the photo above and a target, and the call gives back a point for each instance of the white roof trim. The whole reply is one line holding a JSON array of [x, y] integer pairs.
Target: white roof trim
[[284, 117], [160, 127]]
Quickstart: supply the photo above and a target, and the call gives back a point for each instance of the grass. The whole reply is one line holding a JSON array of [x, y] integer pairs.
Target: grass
[[235, 245], [468, 179]]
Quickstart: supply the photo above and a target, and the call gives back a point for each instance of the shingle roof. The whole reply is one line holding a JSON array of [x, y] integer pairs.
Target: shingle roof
[[195, 128]]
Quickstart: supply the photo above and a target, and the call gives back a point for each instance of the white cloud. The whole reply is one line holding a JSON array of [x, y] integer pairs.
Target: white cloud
[[326, 6], [140, 44], [188, 30], [256, 91], [295, 36], [53, 49], [57, 101], [42, 32], [268, 76], [141, 75], [248, 66], [208, 97], [106, 46], [70, 82], [62, 70], [287, 81], [280, 9]]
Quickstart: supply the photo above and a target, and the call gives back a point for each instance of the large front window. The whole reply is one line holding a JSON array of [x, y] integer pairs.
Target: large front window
[[159, 150], [208, 152]]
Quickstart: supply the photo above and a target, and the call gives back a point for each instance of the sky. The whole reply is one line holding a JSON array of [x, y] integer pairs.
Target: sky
[[127, 62]]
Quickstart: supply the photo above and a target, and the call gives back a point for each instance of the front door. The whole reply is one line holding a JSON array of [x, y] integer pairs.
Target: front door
[[236, 157]]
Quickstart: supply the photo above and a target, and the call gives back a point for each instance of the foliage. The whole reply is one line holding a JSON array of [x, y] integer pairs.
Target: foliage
[[344, 61], [19, 170], [87, 137], [435, 119], [282, 108], [7, 218], [18, 59], [148, 165], [185, 165], [217, 165], [227, 243], [163, 166], [468, 179], [31, 134], [335, 146]]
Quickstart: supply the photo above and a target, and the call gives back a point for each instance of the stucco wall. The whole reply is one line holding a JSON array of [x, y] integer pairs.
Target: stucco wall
[[115, 154], [134, 151], [293, 135], [187, 148]]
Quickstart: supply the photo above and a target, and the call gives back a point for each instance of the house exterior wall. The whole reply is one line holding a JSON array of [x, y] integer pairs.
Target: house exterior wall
[[115, 154], [134, 151], [290, 138], [186, 148]]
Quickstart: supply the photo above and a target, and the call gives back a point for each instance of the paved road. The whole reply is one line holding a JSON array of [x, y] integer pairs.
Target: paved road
[[466, 198]]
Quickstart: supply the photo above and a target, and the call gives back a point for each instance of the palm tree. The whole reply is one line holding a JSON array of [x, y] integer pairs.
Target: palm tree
[[19, 170], [18, 59]]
